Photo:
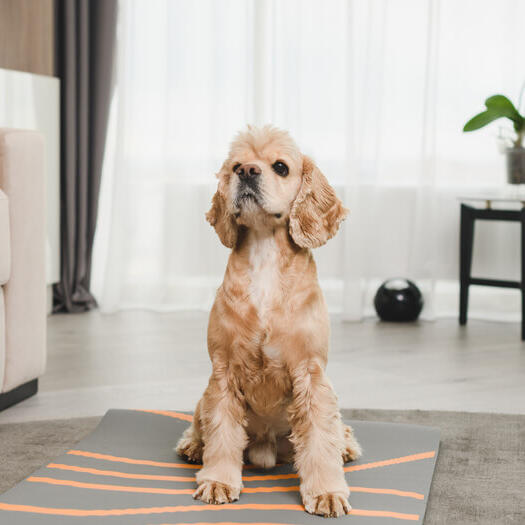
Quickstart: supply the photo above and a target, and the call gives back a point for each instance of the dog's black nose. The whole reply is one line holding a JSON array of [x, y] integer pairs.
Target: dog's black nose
[[248, 171]]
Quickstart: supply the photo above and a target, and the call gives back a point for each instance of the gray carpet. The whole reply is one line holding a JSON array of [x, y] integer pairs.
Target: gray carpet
[[479, 477]]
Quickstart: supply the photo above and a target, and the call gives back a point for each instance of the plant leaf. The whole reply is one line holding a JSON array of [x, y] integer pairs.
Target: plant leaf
[[502, 105], [482, 119]]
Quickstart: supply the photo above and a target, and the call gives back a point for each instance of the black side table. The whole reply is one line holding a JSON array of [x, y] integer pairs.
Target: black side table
[[469, 214]]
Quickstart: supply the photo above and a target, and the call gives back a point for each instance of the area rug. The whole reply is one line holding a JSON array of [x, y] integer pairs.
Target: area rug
[[125, 472], [479, 476]]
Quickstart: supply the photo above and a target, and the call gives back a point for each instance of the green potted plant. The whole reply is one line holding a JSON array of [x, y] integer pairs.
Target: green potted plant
[[499, 106]]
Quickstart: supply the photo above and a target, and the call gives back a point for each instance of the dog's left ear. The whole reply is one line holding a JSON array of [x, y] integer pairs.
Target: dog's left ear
[[316, 212]]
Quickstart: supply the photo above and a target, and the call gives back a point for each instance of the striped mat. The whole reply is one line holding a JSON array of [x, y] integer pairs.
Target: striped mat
[[125, 472]]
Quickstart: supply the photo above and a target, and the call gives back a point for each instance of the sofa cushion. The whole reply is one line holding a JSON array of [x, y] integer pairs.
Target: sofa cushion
[[22, 178], [5, 246]]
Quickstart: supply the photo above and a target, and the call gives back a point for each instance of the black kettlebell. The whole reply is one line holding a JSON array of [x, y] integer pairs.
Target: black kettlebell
[[398, 300]]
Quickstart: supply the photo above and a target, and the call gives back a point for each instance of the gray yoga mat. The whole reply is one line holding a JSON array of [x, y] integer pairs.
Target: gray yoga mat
[[125, 472]]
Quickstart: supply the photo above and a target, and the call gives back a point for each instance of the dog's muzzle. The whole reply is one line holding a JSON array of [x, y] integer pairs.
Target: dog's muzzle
[[248, 188]]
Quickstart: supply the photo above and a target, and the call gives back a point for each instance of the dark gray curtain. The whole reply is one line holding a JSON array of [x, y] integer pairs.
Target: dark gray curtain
[[86, 31]]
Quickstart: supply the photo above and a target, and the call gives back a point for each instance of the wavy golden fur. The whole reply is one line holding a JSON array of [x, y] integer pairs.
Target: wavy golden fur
[[268, 398]]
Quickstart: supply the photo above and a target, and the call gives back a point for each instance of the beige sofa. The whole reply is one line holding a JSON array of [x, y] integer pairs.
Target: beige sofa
[[22, 264]]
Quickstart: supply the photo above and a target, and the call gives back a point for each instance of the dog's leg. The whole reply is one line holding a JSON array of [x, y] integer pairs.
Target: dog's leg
[[318, 439], [223, 419], [352, 449], [190, 445]]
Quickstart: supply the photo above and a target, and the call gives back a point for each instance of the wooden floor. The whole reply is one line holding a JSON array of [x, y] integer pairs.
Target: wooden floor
[[160, 361]]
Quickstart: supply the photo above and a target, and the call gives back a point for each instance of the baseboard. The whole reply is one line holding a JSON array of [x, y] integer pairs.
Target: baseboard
[[18, 394]]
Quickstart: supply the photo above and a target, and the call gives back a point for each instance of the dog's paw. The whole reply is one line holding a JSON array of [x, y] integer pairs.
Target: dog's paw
[[329, 505], [352, 450], [189, 449], [216, 493]]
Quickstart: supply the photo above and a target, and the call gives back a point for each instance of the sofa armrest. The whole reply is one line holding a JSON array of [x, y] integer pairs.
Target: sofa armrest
[[22, 179], [5, 243]]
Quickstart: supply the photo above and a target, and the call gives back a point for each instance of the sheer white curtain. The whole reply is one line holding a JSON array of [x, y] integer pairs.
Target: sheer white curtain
[[377, 91]]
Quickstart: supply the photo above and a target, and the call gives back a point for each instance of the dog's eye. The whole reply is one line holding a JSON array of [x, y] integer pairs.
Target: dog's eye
[[236, 167], [280, 168]]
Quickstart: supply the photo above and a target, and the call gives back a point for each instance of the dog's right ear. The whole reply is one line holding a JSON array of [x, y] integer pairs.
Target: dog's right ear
[[220, 217]]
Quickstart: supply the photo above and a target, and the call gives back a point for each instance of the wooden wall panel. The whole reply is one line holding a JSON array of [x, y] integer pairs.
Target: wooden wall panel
[[27, 36]]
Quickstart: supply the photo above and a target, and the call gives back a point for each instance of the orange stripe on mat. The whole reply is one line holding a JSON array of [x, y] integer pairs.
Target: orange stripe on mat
[[384, 514], [119, 459], [145, 510], [247, 490], [101, 486], [168, 413], [189, 508], [257, 490], [144, 490], [117, 474], [261, 477], [394, 461], [269, 477], [392, 492]]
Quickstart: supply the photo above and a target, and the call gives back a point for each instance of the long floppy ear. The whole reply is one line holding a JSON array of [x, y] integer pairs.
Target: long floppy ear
[[316, 212], [219, 217]]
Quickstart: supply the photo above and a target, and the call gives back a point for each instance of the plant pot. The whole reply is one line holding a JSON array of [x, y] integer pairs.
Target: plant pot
[[516, 165]]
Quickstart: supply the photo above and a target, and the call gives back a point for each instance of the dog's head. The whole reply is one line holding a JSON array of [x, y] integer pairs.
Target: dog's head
[[266, 182]]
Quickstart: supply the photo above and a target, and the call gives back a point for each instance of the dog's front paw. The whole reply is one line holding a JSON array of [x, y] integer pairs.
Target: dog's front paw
[[329, 505], [189, 449], [216, 493]]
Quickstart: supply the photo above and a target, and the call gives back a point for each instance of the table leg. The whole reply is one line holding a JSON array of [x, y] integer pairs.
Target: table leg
[[465, 262]]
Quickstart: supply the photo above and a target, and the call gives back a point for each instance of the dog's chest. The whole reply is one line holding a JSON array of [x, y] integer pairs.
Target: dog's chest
[[263, 271]]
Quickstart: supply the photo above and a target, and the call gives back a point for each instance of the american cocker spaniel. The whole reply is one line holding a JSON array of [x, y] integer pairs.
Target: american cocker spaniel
[[269, 399]]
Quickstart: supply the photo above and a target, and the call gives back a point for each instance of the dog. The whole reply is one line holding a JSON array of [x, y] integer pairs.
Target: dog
[[268, 399]]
